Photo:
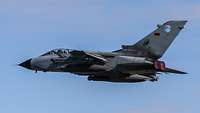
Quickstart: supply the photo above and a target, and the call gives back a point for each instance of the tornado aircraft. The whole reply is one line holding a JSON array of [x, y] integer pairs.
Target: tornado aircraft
[[132, 63]]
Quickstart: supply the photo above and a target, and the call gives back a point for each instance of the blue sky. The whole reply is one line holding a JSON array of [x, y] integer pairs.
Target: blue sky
[[30, 28]]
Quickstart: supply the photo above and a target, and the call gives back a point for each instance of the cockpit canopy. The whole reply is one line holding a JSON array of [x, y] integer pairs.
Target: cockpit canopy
[[58, 51]]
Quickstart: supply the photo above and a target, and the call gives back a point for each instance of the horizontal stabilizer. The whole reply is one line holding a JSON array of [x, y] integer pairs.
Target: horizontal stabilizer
[[169, 70]]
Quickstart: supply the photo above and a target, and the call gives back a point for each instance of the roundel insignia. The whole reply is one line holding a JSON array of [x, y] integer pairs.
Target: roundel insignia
[[167, 28]]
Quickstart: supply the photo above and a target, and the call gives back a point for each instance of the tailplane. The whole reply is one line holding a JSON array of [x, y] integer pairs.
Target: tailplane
[[169, 70]]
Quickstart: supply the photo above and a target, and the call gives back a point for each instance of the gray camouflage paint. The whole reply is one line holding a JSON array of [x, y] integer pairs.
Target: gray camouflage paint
[[132, 63]]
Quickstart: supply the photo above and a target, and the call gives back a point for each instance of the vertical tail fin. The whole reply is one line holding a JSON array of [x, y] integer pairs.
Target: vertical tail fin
[[157, 42]]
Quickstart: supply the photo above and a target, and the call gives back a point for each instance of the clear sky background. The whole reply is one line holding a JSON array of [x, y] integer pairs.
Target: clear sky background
[[30, 28]]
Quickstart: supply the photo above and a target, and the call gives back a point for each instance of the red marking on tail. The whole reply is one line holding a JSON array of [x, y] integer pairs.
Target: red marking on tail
[[157, 34]]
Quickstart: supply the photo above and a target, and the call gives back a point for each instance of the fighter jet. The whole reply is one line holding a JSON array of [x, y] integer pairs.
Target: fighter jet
[[132, 63]]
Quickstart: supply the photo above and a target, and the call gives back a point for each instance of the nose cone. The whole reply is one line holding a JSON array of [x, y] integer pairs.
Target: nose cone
[[26, 64]]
